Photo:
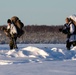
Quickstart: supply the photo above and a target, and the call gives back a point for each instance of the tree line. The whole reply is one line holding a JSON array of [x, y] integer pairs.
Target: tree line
[[37, 34]]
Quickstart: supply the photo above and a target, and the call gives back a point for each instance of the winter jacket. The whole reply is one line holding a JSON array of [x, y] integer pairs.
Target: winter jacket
[[72, 32], [12, 29]]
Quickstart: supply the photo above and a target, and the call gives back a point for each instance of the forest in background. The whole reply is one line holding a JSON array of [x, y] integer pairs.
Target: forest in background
[[37, 34]]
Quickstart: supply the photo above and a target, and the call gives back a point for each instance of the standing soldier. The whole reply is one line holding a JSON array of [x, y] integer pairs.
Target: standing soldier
[[71, 36], [12, 34], [69, 29]]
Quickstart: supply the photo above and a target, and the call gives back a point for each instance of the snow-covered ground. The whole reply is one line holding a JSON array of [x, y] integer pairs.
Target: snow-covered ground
[[37, 59]]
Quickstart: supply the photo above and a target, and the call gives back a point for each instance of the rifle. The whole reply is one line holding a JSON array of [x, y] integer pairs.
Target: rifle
[[5, 31]]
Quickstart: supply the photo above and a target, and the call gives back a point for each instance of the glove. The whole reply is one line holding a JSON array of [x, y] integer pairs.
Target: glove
[[60, 29]]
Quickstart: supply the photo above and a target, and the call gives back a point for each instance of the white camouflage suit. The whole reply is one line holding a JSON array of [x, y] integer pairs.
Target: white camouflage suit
[[72, 29], [12, 28], [13, 36]]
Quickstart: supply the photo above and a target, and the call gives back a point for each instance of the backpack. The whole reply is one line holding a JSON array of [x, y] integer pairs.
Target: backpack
[[18, 24], [73, 19]]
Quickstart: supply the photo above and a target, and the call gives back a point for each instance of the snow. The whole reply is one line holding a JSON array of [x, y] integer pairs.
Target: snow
[[35, 51], [37, 59]]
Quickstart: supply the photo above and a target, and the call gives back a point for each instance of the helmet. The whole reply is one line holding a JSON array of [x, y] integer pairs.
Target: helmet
[[8, 21]]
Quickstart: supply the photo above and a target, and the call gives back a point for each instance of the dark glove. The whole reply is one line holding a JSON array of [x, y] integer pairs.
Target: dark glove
[[60, 29]]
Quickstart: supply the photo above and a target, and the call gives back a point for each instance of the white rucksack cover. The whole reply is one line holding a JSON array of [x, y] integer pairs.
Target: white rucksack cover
[[19, 25], [73, 18]]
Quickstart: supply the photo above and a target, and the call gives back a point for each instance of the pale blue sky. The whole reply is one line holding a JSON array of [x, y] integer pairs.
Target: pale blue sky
[[49, 12]]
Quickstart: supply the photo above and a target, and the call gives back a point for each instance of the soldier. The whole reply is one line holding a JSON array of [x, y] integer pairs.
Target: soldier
[[12, 34], [69, 29], [71, 36]]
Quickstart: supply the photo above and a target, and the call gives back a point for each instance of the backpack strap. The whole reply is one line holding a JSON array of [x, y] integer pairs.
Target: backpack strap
[[74, 26]]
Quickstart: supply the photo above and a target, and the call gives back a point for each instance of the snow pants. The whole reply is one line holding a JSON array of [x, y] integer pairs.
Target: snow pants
[[12, 43], [68, 44]]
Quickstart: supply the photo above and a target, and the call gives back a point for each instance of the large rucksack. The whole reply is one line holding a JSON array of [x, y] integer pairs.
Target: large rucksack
[[73, 19], [18, 24]]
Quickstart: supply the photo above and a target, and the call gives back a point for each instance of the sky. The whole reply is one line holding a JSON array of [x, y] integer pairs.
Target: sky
[[37, 12]]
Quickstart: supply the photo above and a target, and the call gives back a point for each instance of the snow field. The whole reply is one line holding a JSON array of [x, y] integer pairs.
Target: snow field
[[37, 59], [36, 53]]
